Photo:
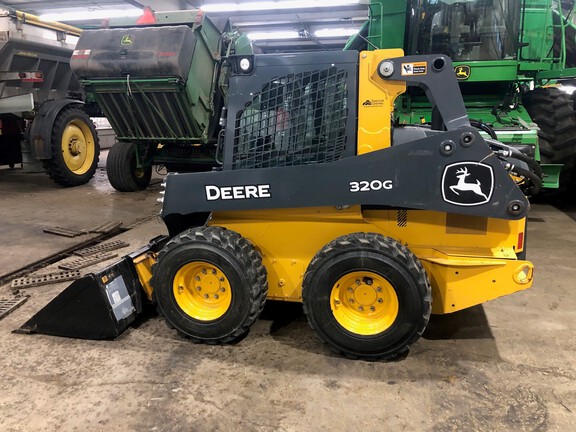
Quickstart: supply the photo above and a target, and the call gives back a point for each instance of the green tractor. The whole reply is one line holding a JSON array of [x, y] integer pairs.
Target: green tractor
[[509, 57]]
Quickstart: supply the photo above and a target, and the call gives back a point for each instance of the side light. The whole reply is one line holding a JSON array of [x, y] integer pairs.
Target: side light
[[245, 64]]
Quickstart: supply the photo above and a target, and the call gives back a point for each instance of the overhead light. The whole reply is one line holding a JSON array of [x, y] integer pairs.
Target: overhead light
[[91, 15], [273, 35], [335, 32], [274, 5], [323, 33]]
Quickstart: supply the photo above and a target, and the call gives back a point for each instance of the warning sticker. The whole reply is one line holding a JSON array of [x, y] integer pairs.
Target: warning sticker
[[414, 68]]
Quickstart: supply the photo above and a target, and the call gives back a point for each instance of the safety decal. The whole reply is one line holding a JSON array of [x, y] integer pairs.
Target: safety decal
[[81, 53], [419, 68], [467, 183]]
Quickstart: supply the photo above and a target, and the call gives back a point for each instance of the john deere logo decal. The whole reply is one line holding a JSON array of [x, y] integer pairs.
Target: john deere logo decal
[[126, 40], [462, 72], [467, 183]]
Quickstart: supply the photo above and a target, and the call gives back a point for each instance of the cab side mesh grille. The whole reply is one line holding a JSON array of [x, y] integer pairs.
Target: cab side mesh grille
[[295, 120]]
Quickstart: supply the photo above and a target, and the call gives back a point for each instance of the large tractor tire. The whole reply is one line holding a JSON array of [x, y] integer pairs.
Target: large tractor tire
[[367, 296], [210, 285], [553, 111], [75, 148], [122, 170]]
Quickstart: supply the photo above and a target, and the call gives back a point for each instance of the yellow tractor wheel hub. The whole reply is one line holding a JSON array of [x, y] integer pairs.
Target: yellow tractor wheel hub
[[202, 291], [78, 147], [364, 303]]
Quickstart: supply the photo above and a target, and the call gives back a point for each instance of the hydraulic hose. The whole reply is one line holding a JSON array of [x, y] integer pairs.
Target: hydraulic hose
[[479, 124], [535, 181], [534, 166]]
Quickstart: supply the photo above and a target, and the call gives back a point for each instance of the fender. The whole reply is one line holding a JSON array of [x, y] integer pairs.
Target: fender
[[41, 129]]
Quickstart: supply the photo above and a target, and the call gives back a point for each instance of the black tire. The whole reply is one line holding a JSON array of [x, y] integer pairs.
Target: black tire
[[75, 148], [407, 296], [238, 275], [553, 111], [122, 171]]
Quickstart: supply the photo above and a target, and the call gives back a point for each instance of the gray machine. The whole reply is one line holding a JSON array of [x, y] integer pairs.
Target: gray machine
[[43, 123]]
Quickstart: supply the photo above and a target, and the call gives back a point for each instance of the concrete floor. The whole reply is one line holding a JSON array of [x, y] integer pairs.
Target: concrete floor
[[508, 365]]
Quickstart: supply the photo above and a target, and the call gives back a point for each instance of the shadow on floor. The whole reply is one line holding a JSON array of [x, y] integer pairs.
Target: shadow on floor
[[470, 323]]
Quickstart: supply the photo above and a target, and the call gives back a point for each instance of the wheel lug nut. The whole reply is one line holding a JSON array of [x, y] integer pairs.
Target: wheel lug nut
[[357, 281], [361, 309], [372, 308], [206, 296], [222, 279], [379, 289], [216, 296], [380, 300], [198, 288], [350, 289], [368, 281], [351, 300], [203, 271], [213, 271], [337, 302], [180, 289], [197, 277], [223, 289]]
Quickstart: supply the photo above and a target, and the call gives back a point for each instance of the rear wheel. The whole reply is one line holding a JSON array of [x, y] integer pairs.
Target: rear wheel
[[210, 284], [75, 148], [367, 296], [553, 111], [122, 169]]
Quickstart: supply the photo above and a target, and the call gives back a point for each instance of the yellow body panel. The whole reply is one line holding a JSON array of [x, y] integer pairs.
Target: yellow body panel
[[376, 101], [461, 276], [143, 264]]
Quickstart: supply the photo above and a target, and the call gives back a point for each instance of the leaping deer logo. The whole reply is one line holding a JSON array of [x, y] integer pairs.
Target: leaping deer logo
[[462, 186]]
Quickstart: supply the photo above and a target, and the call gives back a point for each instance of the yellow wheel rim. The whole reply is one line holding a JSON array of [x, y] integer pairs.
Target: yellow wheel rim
[[364, 303], [202, 291], [78, 147]]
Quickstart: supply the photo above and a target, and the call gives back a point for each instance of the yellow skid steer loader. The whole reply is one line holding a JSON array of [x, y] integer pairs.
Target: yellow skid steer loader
[[322, 199]]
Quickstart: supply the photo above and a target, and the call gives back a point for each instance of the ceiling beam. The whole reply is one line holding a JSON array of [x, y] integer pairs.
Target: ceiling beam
[[134, 3]]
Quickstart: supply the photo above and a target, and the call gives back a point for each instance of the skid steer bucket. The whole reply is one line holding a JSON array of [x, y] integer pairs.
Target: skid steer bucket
[[98, 306]]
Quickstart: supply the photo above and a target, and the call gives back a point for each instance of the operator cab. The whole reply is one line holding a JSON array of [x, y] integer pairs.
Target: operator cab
[[465, 30]]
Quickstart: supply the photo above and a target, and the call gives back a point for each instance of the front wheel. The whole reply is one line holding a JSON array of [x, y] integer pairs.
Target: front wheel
[[367, 296], [210, 284], [75, 148]]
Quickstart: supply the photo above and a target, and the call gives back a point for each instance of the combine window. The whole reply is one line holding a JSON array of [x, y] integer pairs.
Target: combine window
[[466, 30]]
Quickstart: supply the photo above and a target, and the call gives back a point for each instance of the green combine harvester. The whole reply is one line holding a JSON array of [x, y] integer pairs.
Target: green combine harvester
[[509, 56]]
